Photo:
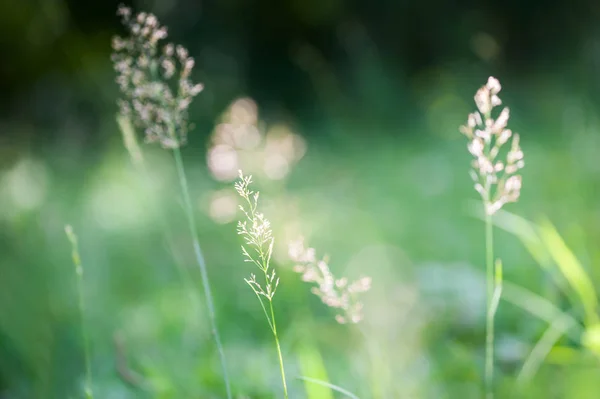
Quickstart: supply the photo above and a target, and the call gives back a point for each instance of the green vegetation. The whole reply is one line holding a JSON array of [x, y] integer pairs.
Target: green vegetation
[[398, 208]]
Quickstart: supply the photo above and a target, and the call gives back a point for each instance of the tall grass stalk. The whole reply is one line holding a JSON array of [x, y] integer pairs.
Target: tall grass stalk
[[270, 315], [187, 202], [489, 330], [156, 88], [280, 357], [498, 183], [84, 334], [258, 236], [495, 280]]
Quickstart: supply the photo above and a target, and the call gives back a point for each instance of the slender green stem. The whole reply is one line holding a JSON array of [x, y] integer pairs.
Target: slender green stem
[[86, 343], [281, 369], [489, 331], [262, 305], [201, 264], [138, 161]]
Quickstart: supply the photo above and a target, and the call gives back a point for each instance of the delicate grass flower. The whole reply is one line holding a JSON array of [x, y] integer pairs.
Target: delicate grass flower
[[496, 180], [258, 248], [155, 82], [156, 93], [336, 293], [498, 183], [258, 236]]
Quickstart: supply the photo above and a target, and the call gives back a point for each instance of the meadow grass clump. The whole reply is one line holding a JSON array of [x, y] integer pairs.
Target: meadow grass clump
[[89, 394], [259, 240], [156, 91], [335, 293], [498, 183]]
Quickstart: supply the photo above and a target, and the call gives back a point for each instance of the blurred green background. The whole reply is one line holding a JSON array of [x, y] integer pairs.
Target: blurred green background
[[354, 110]]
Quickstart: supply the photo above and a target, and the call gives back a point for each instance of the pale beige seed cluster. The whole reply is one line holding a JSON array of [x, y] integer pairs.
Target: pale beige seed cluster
[[335, 293], [258, 236], [154, 81], [496, 179]]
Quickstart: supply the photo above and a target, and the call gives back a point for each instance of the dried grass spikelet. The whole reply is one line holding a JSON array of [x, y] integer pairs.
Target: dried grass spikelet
[[495, 180], [154, 81], [335, 293]]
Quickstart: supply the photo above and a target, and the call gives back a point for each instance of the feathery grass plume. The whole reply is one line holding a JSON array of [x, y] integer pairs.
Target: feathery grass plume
[[336, 293], [498, 183], [86, 342], [156, 93], [155, 82], [258, 236]]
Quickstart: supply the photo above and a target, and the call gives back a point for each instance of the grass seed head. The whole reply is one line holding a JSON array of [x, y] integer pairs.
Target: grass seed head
[[336, 293], [255, 228], [154, 81], [495, 179]]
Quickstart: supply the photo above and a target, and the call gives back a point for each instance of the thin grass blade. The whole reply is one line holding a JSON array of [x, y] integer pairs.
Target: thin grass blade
[[571, 269], [542, 348], [329, 385]]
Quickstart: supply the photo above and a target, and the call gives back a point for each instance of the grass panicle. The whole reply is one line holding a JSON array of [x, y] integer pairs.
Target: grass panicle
[[498, 183], [335, 293], [496, 180], [258, 238], [154, 80]]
